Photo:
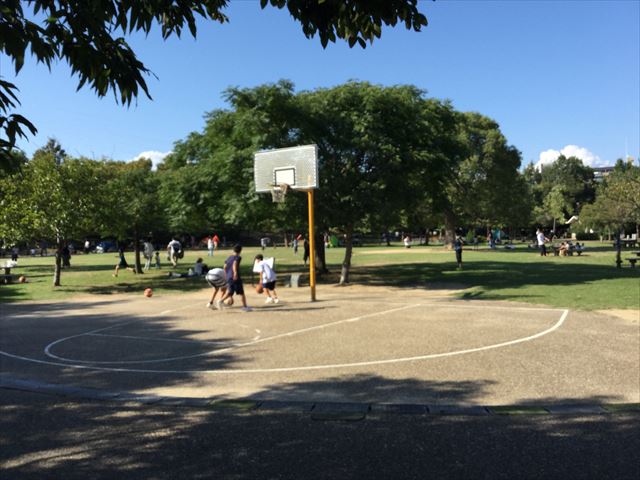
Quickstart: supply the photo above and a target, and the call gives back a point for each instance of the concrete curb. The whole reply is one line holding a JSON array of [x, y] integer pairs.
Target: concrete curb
[[344, 411]]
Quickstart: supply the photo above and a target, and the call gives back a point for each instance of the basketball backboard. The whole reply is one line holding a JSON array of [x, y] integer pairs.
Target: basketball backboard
[[296, 167]]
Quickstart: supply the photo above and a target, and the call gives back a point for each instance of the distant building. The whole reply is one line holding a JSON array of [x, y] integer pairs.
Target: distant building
[[600, 172]]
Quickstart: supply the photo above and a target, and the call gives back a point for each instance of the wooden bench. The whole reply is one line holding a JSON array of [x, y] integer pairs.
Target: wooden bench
[[633, 261]]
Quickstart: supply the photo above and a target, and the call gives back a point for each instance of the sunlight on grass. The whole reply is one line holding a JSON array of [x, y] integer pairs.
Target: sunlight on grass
[[590, 281]]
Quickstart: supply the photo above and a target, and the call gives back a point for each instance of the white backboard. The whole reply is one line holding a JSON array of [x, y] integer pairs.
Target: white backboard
[[295, 166]]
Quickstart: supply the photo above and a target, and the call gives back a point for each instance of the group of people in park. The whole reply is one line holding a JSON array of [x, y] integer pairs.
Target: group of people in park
[[566, 248]]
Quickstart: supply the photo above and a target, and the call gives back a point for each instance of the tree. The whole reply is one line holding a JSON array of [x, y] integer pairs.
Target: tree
[[51, 198], [617, 200], [481, 181], [90, 37], [133, 208], [570, 177], [208, 179], [374, 143], [378, 150], [555, 205]]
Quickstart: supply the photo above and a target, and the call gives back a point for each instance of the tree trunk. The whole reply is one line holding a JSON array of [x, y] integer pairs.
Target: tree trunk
[[449, 228], [321, 262], [58, 267], [136, 249], [286, 240], [346, 263]]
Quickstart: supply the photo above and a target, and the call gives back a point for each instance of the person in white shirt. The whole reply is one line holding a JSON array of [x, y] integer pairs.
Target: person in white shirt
[[541, 242], [267, 280], [173, 251]]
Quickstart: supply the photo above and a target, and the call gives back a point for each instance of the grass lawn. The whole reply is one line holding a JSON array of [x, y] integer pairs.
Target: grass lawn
[[588, 282]]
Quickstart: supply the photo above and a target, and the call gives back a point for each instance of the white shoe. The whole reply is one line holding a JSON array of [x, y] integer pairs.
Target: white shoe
[[219, 304], [276, 300], [247, 309], [209, 304], [269, 300]]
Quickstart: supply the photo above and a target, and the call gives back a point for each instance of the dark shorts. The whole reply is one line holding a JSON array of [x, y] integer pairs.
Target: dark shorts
[[235, 286], [123, 263], [269, 285]]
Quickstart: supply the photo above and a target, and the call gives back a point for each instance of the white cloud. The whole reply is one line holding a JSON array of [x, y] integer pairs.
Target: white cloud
[[153, 155], [587, 157]]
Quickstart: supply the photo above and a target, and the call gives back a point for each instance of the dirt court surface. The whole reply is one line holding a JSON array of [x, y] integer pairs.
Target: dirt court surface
[[355, 344]]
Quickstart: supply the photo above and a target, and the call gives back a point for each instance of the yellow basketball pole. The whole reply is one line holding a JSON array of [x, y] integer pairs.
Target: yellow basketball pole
[[312, 248]]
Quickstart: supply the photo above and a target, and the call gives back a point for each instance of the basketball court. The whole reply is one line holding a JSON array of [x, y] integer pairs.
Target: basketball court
[[355, 344]]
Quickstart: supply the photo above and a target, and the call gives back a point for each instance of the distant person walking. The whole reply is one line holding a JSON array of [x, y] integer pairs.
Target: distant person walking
[[457, 247], [216, 241], [541, 239], [66, 257], [210, 246], [307, 254]]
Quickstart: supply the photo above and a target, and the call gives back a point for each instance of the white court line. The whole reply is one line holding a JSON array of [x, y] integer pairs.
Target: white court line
[[557, 325], [232, 346], [47, 349], [158, 339]]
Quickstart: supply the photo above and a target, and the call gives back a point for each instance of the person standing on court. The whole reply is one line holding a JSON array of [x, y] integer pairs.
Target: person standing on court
[[234, 282], [267, 279], [541, 242], [173, 251]]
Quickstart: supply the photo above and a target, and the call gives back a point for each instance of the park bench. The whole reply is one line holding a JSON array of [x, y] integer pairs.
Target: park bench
[[632, 261]]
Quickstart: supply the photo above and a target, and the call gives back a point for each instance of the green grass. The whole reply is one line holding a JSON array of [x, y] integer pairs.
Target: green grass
[[588, 282]]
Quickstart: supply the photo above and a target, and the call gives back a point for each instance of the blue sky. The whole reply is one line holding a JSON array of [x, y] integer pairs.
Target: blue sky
[[557, 76]]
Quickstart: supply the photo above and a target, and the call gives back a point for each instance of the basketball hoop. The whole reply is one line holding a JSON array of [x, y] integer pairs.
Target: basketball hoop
[[279, 192]]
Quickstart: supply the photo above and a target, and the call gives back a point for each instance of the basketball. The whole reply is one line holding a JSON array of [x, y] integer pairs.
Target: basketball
[[22, 279], [216, 277], [259, 288], [148, 292], [229, 301]]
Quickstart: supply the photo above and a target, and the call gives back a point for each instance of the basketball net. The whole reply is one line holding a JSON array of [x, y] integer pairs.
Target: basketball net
[[279, 192]]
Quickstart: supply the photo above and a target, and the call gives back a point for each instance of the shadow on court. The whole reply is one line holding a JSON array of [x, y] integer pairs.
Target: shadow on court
[[53, 437]]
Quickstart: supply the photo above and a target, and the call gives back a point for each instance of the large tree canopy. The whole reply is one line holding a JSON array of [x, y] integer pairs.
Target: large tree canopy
[[387, 155], [90, 37], [482, 185]]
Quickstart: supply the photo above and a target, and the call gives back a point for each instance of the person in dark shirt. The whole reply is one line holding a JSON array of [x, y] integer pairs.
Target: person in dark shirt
[[234, 282], [457, 247]]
